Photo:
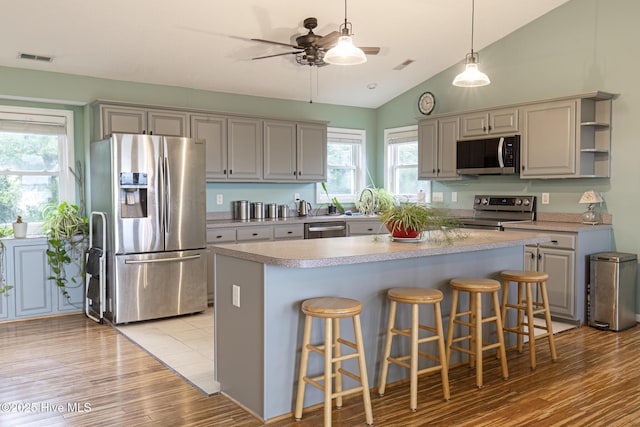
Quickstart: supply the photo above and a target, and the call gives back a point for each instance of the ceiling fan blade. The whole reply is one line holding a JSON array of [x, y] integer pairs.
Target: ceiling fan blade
[[277, 54], [328, 41], [370, 50], [278, 43]]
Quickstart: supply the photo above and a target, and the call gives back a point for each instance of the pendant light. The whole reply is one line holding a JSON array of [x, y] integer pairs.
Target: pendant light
[[345, 52], [471, 76]]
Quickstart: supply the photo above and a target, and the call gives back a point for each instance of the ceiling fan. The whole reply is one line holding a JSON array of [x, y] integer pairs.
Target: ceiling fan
[[310, 47]]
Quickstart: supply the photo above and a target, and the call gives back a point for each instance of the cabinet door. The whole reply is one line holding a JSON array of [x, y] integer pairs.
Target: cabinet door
[[210, 276], [31, 286], [122, 120], [167, 123], [244, 145], [312, 152], [360, 228], [559, 265], [548, 144], [213, 129], [427, 149], [531, 258], [503, 121], [447, 139], [474, 124], [280, 151], [75, 289]]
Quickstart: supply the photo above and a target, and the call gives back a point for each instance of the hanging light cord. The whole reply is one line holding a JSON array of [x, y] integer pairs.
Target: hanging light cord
[[473, 3]]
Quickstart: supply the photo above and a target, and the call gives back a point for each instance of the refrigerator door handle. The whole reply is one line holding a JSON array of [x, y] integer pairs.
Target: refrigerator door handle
[[153, 261], [167, 191], [160, 191]]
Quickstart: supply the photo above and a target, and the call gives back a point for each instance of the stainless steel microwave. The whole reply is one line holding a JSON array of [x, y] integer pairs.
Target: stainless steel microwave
[[489, 156]]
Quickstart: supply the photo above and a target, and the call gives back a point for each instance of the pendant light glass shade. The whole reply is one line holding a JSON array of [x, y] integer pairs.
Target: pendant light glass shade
[[345, 53], [471, 76]]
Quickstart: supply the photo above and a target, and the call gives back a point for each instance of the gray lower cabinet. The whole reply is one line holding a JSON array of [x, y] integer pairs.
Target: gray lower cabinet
[[288, 232], [362, 228], [33, 294], [565, 259]]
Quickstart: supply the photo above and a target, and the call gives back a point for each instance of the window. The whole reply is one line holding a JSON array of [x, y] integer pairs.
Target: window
[[401, 163], [345, 165], [36, 150]]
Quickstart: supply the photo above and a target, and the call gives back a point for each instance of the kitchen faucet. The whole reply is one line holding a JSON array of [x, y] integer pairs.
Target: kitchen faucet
[[367, 207]]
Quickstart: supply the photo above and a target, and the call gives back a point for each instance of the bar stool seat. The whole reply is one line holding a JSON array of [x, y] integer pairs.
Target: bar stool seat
[[415, 297], [527, 305], [476, 287], [332, 309]]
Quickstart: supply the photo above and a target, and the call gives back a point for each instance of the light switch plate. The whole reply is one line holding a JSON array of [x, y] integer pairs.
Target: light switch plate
[[438, 196], [454, 196], [236, 296], [545, 198], [219, 199]]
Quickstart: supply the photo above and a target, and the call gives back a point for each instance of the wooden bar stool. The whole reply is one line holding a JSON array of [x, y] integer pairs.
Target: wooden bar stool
[[527, 304], [415, 297], [332, 309], [476, 287]]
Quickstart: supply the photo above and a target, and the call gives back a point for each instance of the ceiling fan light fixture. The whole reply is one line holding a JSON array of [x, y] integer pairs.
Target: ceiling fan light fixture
[[345, 53], [471, 76]]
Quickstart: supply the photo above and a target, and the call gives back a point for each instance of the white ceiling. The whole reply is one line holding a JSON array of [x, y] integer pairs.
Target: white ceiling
[[205, 44]]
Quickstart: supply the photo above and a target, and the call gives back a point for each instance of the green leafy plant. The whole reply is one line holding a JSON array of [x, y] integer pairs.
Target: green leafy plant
[[334, 200], [66, 231], [374, 200], [408, 217], [4, 288]]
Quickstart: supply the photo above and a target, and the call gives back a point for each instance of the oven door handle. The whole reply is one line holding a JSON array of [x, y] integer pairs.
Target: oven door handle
[[328, 228], [501, 153]]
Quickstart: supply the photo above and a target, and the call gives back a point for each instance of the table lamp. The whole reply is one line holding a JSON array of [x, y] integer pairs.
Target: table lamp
[[590, 197]]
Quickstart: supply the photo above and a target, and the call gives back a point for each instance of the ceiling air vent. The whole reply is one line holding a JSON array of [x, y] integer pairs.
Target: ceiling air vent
[[32, 57], [404, 64]]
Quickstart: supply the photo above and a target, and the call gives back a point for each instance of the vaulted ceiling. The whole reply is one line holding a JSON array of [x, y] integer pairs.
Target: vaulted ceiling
[[205, 44]]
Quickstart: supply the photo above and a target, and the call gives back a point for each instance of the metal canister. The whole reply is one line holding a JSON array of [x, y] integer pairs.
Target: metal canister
[[241, 210], [283, 211], [272, 211], [257, 210]]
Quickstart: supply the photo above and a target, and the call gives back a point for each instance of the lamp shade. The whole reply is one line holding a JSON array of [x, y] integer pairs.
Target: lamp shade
[[590, 197], [345, 53]]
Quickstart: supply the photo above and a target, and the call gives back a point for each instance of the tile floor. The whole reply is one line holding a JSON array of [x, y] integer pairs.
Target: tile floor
[[184, 344]]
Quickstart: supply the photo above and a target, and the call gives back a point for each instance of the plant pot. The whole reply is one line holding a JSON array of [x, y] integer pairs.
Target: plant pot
[[332, 210], [19, 230], [402, 233]]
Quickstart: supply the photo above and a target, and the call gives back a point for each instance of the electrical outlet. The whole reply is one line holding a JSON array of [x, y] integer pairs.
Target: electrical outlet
[[296, 197], [219, 199], [454, 196], [545, 198], [236, 296], [438, 196]]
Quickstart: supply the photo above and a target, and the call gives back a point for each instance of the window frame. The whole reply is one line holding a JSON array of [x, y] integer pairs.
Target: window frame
[[394, 136], [66, 149], [358, 137]]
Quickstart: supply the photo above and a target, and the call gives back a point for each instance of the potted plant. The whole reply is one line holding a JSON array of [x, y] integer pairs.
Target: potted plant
[[334, 204], [66, 231], [19, 228], [410, 221], [4, 288], [374, 200]]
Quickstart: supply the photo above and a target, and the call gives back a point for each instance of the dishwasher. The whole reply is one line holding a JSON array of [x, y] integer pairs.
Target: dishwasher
[[321, 230]]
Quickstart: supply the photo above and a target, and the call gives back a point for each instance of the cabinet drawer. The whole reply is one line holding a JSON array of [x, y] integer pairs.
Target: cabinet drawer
[[255, 233], [221, 235], [560, 240], [365, 227], [288, 231]]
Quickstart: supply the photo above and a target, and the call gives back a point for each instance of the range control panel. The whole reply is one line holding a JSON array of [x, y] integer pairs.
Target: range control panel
[[505, 203]]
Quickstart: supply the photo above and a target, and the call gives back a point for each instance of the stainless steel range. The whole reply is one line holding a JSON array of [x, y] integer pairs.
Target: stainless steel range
[[493, 212]]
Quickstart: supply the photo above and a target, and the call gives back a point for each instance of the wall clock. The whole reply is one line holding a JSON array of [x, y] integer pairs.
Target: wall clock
[[426, 103]]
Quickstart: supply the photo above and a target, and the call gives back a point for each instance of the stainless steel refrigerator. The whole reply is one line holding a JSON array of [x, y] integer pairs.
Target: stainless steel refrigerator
[[152, 191]]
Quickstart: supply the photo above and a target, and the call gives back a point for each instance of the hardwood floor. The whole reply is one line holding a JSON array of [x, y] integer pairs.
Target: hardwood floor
[[51, 368]]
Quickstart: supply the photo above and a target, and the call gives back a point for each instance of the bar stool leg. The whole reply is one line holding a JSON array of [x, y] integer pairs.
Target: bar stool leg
[[521, 313], [452, 317], [414, 357], [328, 339], [547, 317], [500, 334], [338, 363], [444, 372], [477, 321], [304, 361], [531, 327], [387, 348], [505, 301], [366, 396]]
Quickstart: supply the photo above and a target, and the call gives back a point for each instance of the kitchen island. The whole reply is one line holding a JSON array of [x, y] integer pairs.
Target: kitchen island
[[259, 288]]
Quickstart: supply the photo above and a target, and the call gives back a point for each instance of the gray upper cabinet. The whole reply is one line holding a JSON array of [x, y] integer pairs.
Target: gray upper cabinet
[[213, 130], [123, 119], [437, 148], [244, 149], [295, 151], [487, 123], [548, 142]]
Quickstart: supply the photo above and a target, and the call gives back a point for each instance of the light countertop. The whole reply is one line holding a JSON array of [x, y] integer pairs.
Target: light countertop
[[363, 249]]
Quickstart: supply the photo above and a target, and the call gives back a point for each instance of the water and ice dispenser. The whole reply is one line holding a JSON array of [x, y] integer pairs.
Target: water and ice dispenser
[[133, 195]]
